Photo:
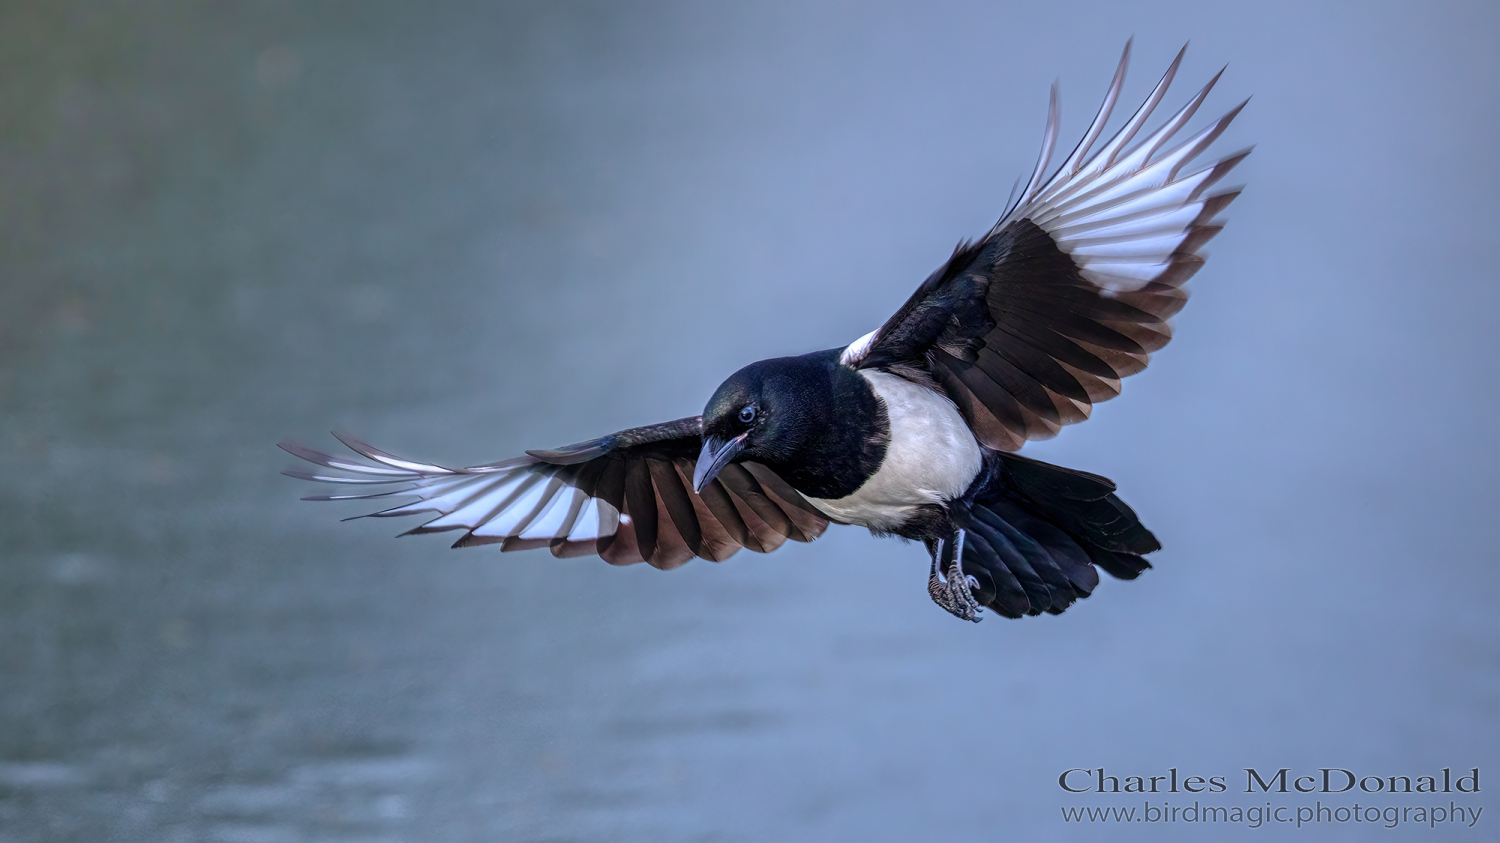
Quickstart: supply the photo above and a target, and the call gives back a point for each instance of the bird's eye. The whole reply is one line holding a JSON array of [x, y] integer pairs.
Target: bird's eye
[[747, 414]]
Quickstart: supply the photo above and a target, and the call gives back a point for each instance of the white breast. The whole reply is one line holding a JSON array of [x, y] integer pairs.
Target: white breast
[[932, 457]]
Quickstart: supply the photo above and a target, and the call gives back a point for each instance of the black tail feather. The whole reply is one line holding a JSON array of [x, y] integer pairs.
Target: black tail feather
[[1036, 532], [1067, 553], [1123, 566], [1009, 596], [1081, 503], [1056, 590], [1034, 591]]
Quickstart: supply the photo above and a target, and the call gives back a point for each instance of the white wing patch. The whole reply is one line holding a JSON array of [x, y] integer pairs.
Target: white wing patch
[[590, 525], [517, 500], [1123, 215]]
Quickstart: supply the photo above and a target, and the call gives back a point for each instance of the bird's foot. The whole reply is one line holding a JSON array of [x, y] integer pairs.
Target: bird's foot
[[954, 592]]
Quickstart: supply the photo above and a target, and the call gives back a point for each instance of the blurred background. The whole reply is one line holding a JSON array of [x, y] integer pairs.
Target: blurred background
[[463, 230]]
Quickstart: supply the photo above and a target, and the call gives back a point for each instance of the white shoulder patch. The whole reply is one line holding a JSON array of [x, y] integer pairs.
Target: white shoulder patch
[[856, 350]]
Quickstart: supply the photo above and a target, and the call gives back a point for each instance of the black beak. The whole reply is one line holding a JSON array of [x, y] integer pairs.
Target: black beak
[[715, 455]]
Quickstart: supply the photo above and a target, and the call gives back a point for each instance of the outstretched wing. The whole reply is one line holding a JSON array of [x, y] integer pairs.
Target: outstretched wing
[[627, 497], [1040, 319]]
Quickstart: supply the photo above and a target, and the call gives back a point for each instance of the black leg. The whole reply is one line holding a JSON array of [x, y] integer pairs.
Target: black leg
[[953, 593]]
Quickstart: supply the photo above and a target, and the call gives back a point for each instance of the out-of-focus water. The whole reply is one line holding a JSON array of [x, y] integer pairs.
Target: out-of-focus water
[[469, 230]]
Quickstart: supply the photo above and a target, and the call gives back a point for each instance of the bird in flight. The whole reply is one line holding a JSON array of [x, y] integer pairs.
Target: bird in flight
[[912, 429]]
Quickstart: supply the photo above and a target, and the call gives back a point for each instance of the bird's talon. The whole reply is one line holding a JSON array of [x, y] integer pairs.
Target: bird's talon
[[952, 591]]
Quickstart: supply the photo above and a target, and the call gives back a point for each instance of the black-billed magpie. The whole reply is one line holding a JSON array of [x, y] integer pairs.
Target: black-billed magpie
[[910, 430]]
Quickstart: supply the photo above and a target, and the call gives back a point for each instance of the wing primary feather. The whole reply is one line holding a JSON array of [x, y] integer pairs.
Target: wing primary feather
[[1087, 177], [556, 518], [373, 453], [1105, 158], [320, 458], [356, 481], [1213, 205], [1011, 202], [1142, 202], [1185, 152], [1080, 152], [544, 498], [1148, 223], [361, 497], [508, 493], [1142, 152], [1049, 139], [1138, 175]]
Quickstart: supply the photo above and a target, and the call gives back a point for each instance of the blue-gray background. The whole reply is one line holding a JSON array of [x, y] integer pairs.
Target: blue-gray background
[[466, 230]]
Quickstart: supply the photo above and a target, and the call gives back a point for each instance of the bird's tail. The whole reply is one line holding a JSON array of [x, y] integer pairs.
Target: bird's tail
[[1035, 533]]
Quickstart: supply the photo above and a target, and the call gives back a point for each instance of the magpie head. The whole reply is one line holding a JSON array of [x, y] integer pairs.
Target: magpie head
[[763, 413]]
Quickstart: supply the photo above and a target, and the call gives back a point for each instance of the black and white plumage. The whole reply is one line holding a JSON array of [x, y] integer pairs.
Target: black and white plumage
[[909, 430]]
